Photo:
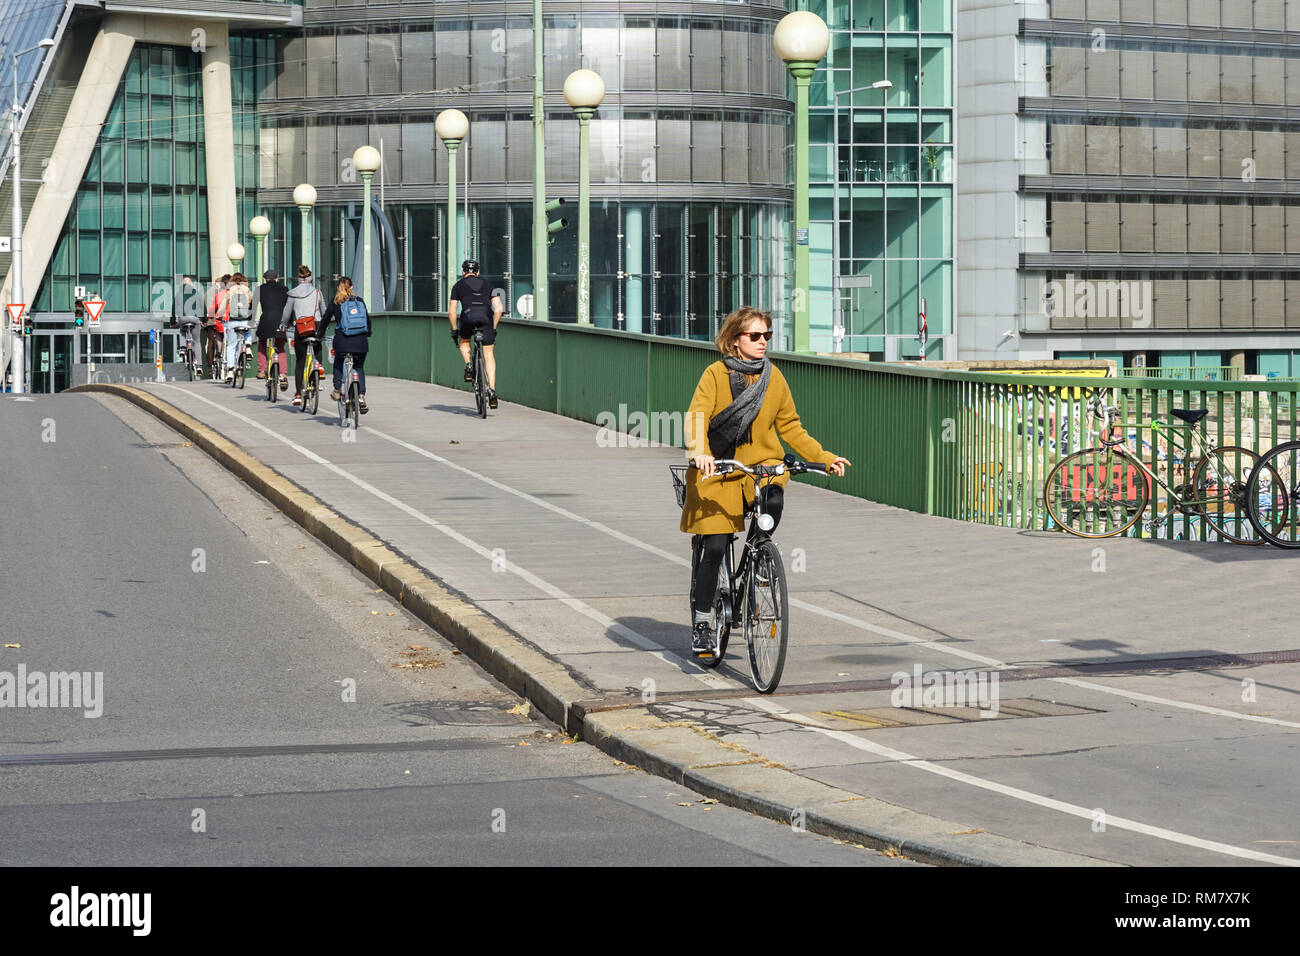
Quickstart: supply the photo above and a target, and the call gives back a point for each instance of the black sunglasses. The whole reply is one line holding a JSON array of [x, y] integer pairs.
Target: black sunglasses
[[755, 336]]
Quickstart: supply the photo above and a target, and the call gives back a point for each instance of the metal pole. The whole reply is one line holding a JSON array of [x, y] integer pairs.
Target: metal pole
[[837, 333], [584, 216], [365, 234], [802, 72], [452, 271], [306, 236], [541, 264], [261, 256], [17, 358]]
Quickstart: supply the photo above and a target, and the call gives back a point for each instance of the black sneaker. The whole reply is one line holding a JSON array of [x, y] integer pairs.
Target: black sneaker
[[492, 398], [469, 372], [702, 640]]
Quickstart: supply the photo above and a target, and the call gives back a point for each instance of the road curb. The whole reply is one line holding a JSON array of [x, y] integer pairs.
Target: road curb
[[679, 751]]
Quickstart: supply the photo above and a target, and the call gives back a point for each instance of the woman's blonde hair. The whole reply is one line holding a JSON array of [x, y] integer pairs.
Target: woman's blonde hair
[[345, 290], [734, 324]]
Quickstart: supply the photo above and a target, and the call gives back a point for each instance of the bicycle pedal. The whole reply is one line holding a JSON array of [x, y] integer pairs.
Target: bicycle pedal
[[705, 655]]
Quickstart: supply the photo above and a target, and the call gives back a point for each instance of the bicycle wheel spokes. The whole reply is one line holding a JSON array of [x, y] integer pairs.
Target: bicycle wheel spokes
[[1273, 496], [1096, 493], [1219, 493], [766, 617]]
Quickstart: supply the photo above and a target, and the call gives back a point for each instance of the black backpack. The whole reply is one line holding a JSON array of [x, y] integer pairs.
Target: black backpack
[[475, 297]]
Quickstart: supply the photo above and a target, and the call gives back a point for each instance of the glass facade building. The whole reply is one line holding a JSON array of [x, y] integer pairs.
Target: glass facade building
[[1155, 144], [888, 191]]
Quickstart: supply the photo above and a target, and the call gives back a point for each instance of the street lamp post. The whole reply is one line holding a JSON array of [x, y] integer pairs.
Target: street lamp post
[[260, 227], [304, 197], [17, 356], [451, 127], [836, 296], [541, 232], [366, 160], [235, 253], [801, 40], [584, 90]]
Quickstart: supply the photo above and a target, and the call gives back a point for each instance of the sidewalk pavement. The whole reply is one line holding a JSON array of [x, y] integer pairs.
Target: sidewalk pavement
[[1113, 670]]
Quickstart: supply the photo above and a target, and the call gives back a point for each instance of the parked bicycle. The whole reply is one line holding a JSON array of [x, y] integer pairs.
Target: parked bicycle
[[751, 592], [1273, 495], [1104, 491]]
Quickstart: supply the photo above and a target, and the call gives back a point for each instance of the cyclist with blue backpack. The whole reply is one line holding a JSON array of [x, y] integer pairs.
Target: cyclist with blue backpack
[[351, 337]]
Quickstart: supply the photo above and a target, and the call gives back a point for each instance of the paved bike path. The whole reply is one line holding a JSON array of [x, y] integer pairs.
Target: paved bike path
[[574, 546]]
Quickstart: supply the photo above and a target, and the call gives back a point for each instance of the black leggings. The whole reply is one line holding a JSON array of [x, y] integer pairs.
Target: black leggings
[[715, 545]]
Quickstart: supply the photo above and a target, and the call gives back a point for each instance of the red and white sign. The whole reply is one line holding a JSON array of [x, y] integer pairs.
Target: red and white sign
[[93, 309], [16, 313]]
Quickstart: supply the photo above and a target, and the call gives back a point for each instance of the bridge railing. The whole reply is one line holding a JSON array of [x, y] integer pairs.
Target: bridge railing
[[974, 446]]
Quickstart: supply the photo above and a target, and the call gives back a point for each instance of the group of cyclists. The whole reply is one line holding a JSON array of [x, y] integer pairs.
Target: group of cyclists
[[277, 313], [742, 409]]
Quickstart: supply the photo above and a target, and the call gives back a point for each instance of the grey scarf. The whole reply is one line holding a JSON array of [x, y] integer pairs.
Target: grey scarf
[[731, 426]]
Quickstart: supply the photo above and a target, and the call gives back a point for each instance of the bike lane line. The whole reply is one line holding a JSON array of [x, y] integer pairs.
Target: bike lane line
[[1123, 823], [653, 647]]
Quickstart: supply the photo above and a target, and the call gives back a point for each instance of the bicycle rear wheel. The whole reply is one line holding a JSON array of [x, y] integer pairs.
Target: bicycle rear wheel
[[480, 382], [238, 381], [354, 406], [1219, 488], [766, 616], [1273, 496], [1096, 493], [272, 379], [311, 399]]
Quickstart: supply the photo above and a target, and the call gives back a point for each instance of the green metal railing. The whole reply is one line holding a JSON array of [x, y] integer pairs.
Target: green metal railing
[[974, 446], [1196, 373]]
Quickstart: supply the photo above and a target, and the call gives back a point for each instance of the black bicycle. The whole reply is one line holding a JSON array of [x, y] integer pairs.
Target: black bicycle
[[241, 359], [480, 373], [189, 353], [752, 592]]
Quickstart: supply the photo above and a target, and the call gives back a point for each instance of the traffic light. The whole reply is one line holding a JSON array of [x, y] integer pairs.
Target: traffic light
[[79, 313], [27, 325], [554, 227]]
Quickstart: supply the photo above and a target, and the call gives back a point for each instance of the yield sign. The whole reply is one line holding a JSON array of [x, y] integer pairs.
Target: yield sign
[[93, 308], [16, 312]]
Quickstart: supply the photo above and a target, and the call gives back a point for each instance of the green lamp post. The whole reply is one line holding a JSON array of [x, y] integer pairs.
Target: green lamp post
[[801, 40], [304, 197], [235, 253], [366, 159], [260, 227], [451, 126], [584, 90]]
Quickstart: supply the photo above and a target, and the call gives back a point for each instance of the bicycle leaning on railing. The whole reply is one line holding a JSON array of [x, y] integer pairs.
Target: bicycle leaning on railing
[[1273, 495], [1103, 491], [753, 591]]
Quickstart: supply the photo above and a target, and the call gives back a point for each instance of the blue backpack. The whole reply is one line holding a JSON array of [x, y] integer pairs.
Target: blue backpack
[[353, 318]]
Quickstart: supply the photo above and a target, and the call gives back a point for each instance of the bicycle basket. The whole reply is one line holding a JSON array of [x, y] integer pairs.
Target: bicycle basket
[[679, 483]]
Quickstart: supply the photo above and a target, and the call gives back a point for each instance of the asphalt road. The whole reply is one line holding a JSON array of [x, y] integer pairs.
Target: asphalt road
[[262, 704]]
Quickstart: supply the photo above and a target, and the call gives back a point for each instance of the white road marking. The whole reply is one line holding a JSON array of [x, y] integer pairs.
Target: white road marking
[[653, 647], [1119, 823]]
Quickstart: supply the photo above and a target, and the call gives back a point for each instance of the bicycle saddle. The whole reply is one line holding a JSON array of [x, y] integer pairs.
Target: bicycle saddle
[[1189, 415]]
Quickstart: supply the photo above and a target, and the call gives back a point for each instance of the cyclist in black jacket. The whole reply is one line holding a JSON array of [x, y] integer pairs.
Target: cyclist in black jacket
[[268, 308], [473, 305], [357, 344]]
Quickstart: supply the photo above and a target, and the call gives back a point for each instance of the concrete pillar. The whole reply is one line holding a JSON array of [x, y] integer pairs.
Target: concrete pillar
[[1237, 360], [76, 143], [219, 146], [633, 267]]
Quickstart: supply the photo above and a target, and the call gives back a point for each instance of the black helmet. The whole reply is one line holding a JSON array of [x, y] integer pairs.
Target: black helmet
[[469, 265]]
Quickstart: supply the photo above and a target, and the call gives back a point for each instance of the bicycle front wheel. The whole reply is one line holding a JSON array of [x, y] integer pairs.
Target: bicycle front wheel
[[1219, 487], [1271, 496], [1096, 493], [766, 616]]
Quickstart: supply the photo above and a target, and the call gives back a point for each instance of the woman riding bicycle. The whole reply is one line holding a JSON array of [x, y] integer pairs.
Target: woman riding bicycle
[[351, 338], [742, 409]]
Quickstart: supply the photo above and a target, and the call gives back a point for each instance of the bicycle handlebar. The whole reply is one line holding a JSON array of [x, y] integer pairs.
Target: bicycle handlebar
[[791, 465]]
